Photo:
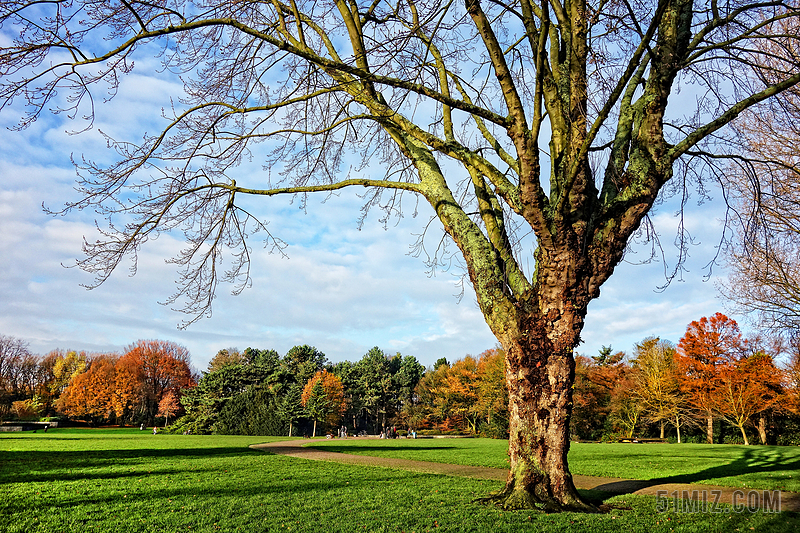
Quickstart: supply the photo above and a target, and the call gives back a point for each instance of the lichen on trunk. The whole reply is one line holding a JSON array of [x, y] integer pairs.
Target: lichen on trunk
[[540, 371]]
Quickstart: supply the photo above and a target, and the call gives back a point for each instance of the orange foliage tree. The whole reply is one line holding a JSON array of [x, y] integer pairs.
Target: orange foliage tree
[[323, 398], [131, 386], [709, 346], [103, 392], [161, 367], [599, 391], [746, 387], [458, 393], [492, 392], [462, 395], [168, 406]]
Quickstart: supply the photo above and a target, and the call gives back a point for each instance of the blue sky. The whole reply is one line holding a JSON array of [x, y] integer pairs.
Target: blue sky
[[342, 289]]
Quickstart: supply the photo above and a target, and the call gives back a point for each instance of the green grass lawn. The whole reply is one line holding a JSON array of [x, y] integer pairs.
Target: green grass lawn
[[753, 467], [131, 481]]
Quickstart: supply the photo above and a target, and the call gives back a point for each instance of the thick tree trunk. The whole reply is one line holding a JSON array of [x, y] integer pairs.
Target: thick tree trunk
[[314, 431], [290, 428], [662, 429], [539, 378], [710, 429]]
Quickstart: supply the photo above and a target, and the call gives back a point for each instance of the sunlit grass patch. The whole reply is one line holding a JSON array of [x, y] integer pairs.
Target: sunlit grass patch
[[132, 482], [756, 467]]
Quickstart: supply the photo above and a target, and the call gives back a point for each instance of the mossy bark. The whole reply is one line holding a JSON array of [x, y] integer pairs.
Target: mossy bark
[[541, 405]]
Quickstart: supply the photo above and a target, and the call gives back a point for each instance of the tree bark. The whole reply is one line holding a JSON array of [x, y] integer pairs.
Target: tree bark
[[762, 428], [540, 370], [710, 429], [744, 435]]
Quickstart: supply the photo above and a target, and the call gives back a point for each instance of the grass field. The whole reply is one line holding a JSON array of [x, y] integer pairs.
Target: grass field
[[752, 467], [131, 481]]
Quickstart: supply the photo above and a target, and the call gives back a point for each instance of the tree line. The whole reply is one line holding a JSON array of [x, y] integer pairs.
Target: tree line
[[137, 386], [715, 385], [258, 392]]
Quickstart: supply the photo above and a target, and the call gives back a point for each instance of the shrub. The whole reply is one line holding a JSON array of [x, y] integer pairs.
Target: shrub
[[253, 412], [733, 439], [498, 429]]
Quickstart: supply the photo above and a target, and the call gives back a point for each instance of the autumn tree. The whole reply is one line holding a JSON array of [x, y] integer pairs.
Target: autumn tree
[[160, 367], [597, 380], [464, 395], [746, 386], [459, 393], [657, 383], [590, 402], [707, 347], [168, 406], [626, 409], [427, 410], [67, 366], [557, 119], [323, 399], [492, 394], [102, 392]]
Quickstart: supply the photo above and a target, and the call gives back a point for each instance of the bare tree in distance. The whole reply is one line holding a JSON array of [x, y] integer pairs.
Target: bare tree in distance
[[557, 118], [764, 273]]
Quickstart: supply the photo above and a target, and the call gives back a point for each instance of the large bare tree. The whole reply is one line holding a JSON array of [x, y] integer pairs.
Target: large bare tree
[[555, 117]]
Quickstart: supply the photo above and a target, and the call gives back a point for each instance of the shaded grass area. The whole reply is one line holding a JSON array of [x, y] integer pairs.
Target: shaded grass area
[[127, 481], [752, 467]]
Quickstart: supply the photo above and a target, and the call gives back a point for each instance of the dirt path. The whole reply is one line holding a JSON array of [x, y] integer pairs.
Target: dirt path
[[789, 501]]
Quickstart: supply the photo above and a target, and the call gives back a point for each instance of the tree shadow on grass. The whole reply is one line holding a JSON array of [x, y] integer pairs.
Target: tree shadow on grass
[[751, 461], [376, 449], [33, 466]]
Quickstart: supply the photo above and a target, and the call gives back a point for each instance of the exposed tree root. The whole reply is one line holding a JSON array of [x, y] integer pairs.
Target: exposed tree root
[[511, 498]]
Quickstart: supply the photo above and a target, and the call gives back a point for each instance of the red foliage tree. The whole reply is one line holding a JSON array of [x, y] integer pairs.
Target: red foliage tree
[[708, 347], [746, 387]]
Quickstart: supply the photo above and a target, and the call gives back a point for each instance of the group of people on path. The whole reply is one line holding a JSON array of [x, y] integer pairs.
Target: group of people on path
[[391, 433], [342, 434], [386, 433]]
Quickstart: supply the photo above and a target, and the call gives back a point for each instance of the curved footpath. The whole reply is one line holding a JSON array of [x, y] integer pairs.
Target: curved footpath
[[789, 501]]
